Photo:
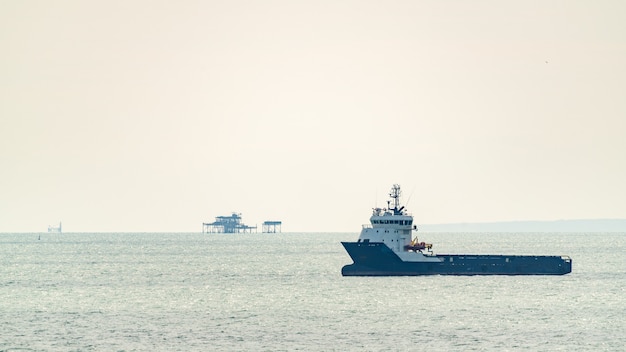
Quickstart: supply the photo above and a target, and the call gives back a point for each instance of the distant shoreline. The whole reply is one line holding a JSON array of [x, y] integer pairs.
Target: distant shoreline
[[585, 225], [579, 225]]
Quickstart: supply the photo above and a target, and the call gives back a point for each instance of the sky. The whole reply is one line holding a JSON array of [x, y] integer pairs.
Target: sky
[[141, 116]]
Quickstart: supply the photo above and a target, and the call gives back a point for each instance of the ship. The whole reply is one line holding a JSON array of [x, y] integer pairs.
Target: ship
[[53, 229], [387, 247]]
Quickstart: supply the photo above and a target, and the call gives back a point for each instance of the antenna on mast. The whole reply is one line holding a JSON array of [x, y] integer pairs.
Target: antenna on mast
[[410, 195], [395, 196]]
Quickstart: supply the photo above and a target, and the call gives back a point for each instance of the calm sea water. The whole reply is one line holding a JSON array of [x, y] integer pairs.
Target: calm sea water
[[255, 292]]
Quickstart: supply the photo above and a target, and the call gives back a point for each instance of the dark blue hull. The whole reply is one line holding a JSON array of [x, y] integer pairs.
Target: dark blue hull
[[376, 259]]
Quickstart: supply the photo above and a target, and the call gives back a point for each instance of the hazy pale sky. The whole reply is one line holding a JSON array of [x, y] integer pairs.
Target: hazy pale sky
[[159, 115]]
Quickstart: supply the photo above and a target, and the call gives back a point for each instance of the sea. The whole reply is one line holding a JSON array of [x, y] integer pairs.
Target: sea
[[285, 292]]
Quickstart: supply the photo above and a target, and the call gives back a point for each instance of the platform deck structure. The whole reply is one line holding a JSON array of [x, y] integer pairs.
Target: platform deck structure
[[272, 226], [228, 224]]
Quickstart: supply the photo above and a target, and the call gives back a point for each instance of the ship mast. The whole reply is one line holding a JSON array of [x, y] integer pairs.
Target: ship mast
[[395, 198]]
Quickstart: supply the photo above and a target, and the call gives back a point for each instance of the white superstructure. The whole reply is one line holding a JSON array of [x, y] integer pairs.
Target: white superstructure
[[393, 226]]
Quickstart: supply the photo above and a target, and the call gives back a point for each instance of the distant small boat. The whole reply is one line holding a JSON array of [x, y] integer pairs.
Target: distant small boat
[[53, 229]]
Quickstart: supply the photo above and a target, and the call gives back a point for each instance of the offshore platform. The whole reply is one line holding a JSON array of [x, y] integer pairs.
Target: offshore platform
[[272, 226], [227, 224]]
